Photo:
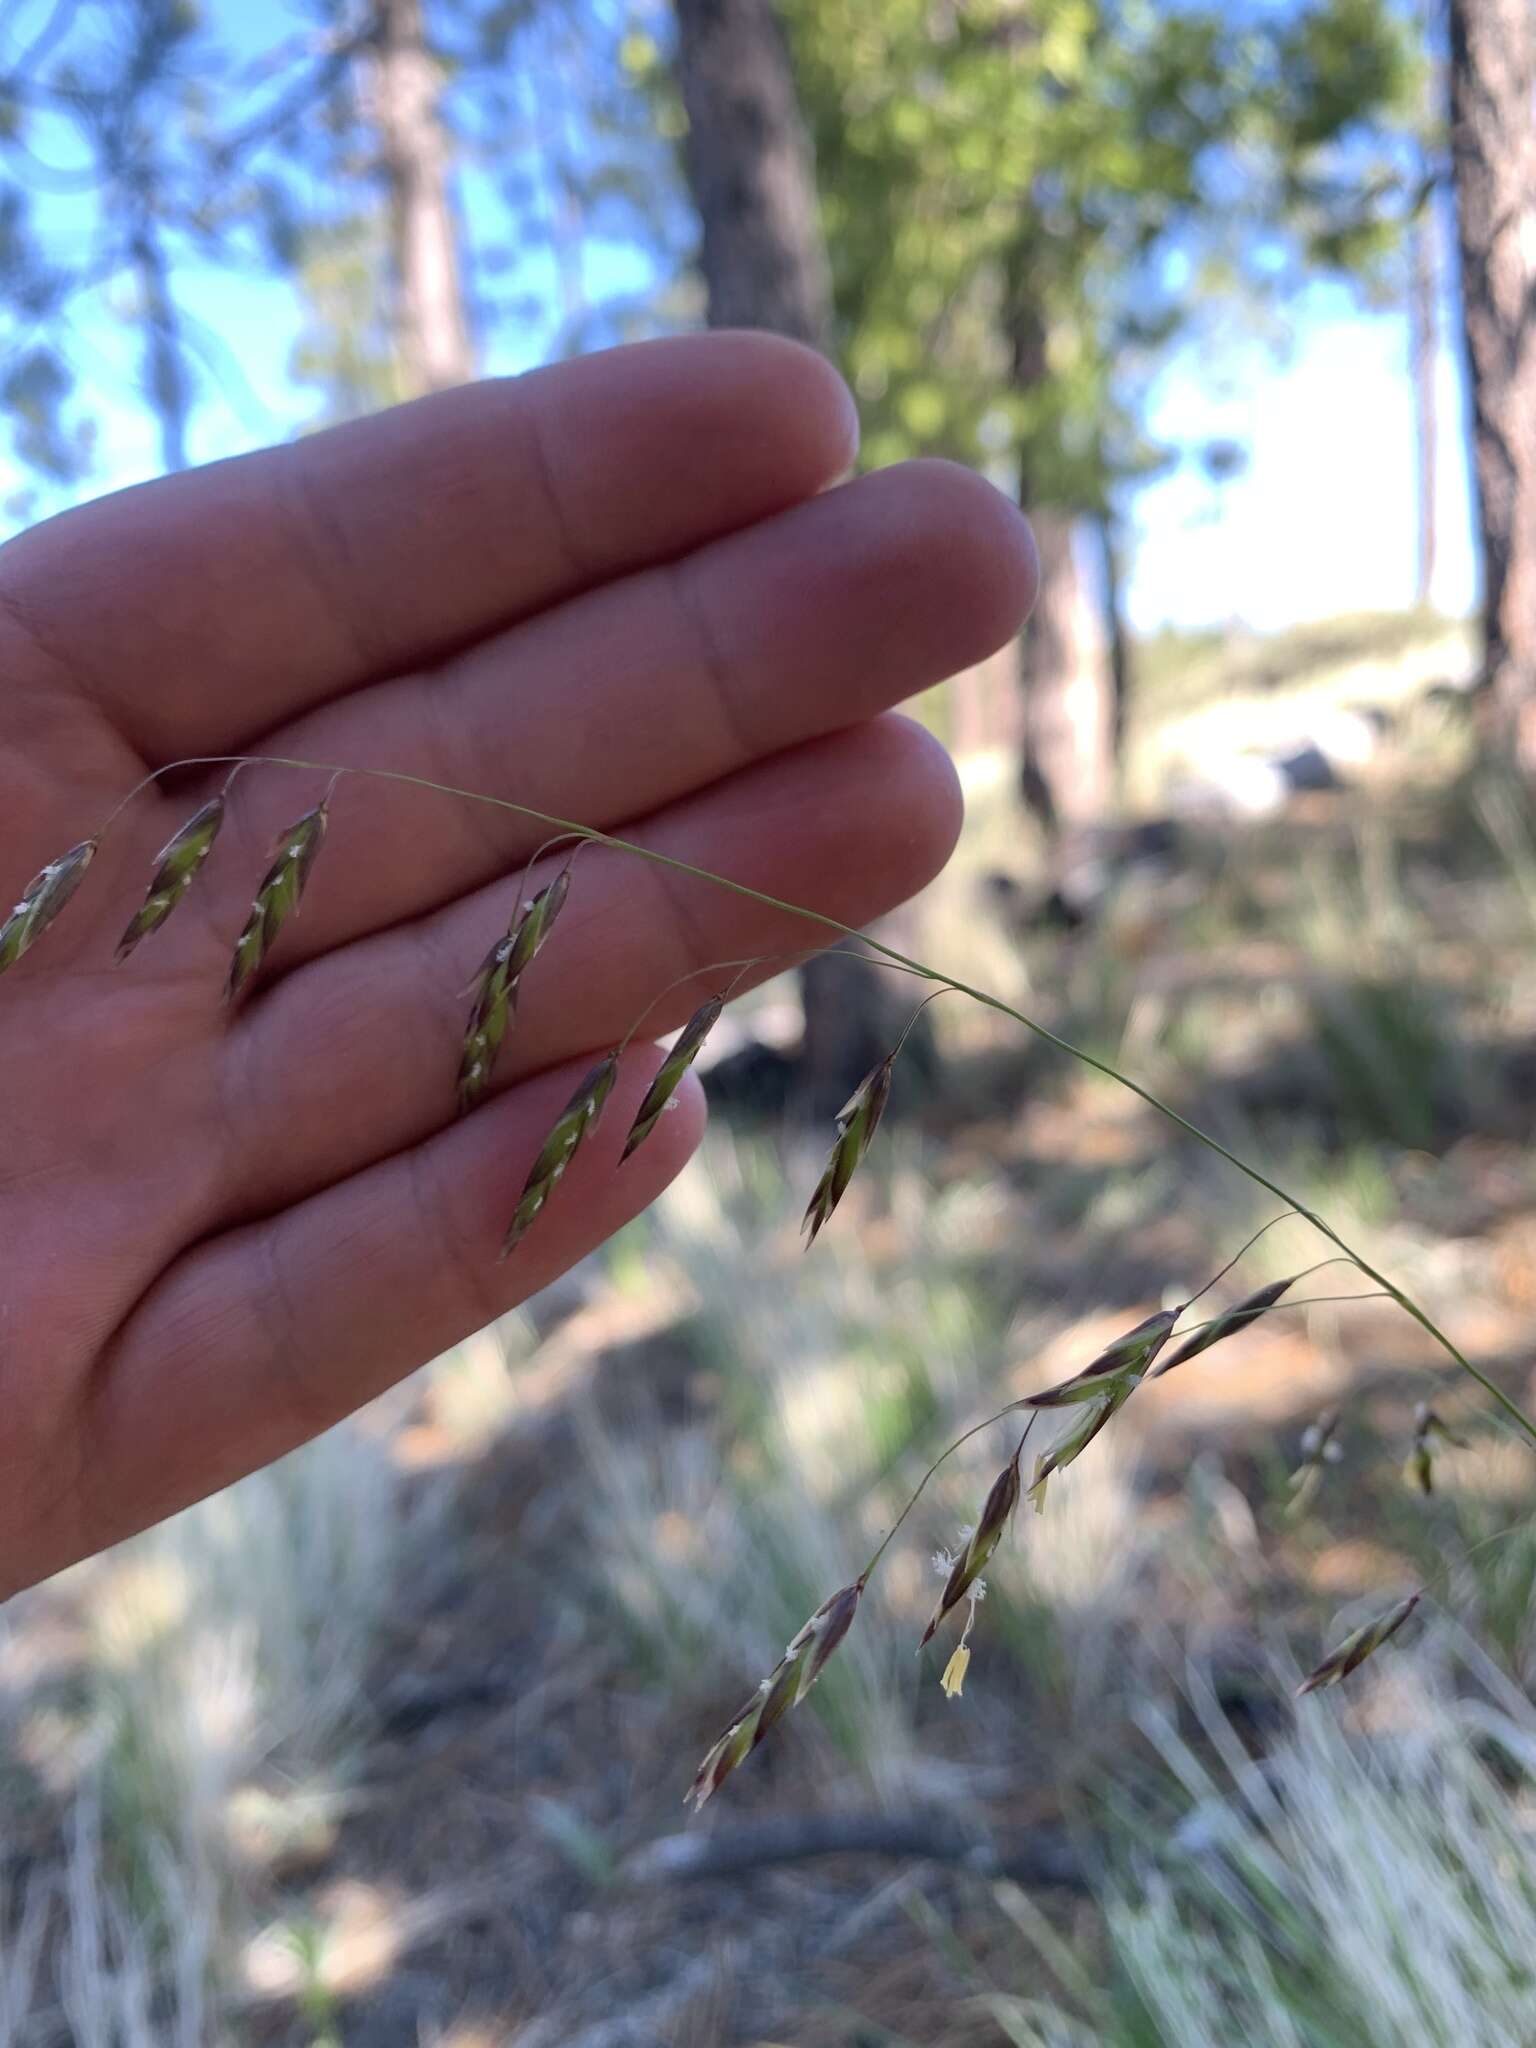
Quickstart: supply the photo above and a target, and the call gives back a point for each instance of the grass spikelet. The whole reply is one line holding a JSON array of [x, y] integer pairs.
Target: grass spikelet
[[176, 867], [983, 1540], [676, 1064], [278, 897], [42, 900], [1126, 1359], [1116, 1393], [1227, 1324], [1103, 1387], [579, 1116], [857, 1122], [1428, 1430], [1320, 1447], [489, 1016], [785, 1687], [1354, 1650], [496, 987]]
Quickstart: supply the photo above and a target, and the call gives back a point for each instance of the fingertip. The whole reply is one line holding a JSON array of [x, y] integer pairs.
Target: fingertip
[[984, 549], [808, 415], [932, 814]]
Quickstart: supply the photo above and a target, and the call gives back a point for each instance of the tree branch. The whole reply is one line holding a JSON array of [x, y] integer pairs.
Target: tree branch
[[1033, 1856]]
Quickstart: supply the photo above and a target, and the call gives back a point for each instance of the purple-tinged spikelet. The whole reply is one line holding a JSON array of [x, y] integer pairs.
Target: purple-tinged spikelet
[[1354, 1650], [671, 1071], [785, 1687], [1127, 1359], [1227, 1324], [857, 1122], [997, 1510]]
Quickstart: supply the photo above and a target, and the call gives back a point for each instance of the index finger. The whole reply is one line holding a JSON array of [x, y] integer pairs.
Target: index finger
[[199, 611]]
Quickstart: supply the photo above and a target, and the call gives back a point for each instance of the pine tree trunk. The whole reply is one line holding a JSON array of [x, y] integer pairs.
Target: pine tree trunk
[[749, 164], [1423, 328], [1069, 695], [1107, 530], [748, 158], [1074, 705], [1493, 149], [430, 322]]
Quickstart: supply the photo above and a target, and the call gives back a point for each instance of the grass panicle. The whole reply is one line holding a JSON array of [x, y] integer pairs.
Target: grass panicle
[[784, 1688], [575, 1121], [278, 897], [669, 1076], [176, 868], [1354, 1650], [857, 1122], [1088, 1400], [997, 1512], [497, 984], [42, 900]]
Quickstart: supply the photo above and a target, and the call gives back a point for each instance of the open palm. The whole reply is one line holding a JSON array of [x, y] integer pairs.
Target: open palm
[[617, 590]]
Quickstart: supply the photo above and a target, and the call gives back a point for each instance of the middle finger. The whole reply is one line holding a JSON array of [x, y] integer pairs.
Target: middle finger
[[625, 699], [354, 1058]]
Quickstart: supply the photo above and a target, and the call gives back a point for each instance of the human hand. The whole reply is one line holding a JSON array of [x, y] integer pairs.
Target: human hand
[[609, 590]]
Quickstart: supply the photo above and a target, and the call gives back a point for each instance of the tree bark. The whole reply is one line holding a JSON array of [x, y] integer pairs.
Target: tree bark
[[1069, 693], [1107, 529], [1423, 333], [749, 165], [1493, 151], [751, 171], [430, 323], [1073, 701]]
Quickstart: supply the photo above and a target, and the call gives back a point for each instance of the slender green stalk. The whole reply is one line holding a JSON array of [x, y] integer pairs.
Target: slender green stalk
[[575, 829]]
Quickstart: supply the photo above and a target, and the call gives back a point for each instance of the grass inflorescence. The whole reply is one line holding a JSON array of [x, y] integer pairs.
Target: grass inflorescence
[[1084, 1404]]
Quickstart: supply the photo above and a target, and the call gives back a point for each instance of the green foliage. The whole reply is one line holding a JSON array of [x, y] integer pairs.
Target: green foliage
[[1025, 207]]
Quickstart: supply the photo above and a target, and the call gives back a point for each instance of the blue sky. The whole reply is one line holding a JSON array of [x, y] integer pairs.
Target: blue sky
[[1324, 519], [1321, 521]]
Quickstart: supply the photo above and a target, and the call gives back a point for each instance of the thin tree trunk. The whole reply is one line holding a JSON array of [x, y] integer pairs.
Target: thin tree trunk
[[1069, 697], [165, 370], [750, 168], [1106, 528], [1493, 150], [1423, 330], [1065, 665], [749, 164], [430, 322]]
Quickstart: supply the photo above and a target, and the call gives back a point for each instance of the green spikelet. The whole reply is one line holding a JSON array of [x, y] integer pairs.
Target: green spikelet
[[176, 868], [42, 900]]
